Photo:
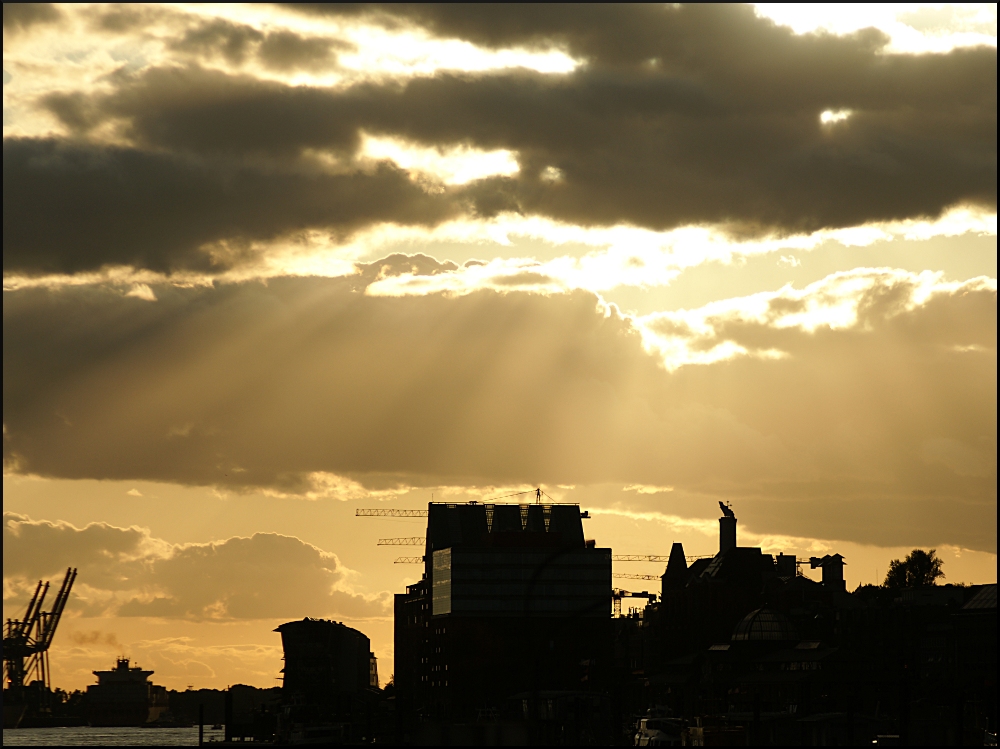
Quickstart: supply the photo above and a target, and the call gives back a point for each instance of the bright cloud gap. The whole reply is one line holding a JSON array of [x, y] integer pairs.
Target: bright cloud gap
[[620, 255], [913, 28], [699, 336], [457, 165], [830, 116]]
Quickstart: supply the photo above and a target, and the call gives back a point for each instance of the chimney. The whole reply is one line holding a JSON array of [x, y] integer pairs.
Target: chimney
[[785, 565], [727, 529]]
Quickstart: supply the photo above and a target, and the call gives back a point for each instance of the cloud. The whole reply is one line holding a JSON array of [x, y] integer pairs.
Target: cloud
[[96, 637], [182, 653], [870, 388], [127, 572], [842, 301], [18, 17], [620, 255], [43, 548], [281, 50], [963, 459], [185, 660], [70, 207], [592, 259], [644, 489], [186, 152], [694, 115], [265, 576], [925, 29]]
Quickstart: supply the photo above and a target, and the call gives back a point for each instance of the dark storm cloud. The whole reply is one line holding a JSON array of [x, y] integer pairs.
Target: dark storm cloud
[[70, 207], [197, 111], [19, 17], [284, 50], [230, 40], [119, 17], [248, 385], [277, 50], [690, 115]]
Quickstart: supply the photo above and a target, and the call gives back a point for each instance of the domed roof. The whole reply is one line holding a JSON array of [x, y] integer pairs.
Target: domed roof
[[763, 625]]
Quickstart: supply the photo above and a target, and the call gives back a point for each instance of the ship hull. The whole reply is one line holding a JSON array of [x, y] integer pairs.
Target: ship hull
[[108, 716]]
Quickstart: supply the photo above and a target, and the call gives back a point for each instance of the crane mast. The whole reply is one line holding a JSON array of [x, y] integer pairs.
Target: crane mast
[[26, 641]]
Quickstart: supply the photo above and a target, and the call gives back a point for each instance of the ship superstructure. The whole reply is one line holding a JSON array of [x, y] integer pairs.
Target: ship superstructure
[[124, 696]]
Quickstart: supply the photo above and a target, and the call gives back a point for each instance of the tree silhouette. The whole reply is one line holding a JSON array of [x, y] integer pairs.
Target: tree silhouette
[[919, 568]]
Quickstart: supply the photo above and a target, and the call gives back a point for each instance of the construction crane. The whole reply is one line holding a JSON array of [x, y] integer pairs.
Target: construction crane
[[378, 512], [409, 560], [627, 576], [26, 641], [537, 493], [387, 513], [407, 541], [653, 557]]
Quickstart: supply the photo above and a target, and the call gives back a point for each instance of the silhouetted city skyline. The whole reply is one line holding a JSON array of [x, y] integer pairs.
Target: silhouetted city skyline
[[286, 283]]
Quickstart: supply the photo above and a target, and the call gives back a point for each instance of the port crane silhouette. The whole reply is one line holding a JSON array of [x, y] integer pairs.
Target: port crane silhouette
[[26, 641], [618, 594]]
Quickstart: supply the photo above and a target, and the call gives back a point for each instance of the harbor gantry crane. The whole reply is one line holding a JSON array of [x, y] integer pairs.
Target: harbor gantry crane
[[26, 641], [618, 594]]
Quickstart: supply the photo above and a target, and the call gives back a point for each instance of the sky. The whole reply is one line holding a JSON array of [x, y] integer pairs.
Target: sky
[[265, 265]]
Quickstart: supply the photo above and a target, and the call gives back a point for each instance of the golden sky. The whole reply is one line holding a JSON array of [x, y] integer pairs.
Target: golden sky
[[264, 265]]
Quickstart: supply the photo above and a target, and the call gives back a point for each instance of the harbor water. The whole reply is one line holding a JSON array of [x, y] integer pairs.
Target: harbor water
[[87, 736]]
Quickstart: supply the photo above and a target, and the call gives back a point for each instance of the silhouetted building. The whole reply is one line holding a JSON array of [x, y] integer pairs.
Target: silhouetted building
[[324, 657], [676, 574], [330, 683], [514, 600], [741, 648], [832, 566]]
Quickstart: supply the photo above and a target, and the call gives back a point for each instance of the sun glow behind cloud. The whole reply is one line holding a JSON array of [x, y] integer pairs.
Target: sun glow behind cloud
[[414, 52], [628, 256], [912, 27], [699, 336], [830, 117], [612, 257], [78, 55], [710, 529], [457, 165], [391, 48]]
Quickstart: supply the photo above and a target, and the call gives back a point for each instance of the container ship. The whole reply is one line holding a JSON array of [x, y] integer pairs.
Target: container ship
[[124, 696]]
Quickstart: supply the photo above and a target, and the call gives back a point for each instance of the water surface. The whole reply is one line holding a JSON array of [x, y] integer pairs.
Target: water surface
[[87, 736]]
